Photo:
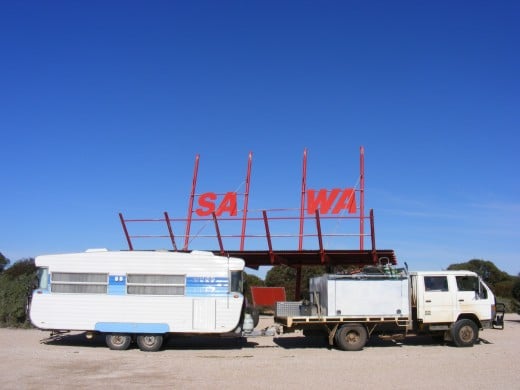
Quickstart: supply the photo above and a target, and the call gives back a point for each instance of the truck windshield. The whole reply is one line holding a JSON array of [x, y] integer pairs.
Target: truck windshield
[[482, 292], [237, 282]]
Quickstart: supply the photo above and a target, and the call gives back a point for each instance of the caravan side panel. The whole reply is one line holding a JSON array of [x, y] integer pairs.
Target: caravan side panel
[[204, 303], [100, 312]]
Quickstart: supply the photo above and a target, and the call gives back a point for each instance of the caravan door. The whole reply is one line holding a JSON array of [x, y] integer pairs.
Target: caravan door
[[204, 314]]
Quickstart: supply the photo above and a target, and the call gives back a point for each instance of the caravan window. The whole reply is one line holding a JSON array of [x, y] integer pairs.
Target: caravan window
[[43, 278], [79, 283], [148, 284], [237, 284]]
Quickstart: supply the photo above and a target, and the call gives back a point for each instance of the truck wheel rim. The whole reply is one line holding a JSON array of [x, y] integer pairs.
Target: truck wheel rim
[[352, 337], [466, 333]]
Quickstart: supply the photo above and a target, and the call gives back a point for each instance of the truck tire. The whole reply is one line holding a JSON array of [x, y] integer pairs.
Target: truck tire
[[149, 342], [464, 333], [118, 341], [351, 337]]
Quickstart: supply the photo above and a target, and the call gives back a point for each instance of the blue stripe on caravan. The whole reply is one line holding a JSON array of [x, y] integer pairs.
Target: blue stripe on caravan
[[117, 285], [131, 327], [207, 286], [206, 281], [206, 291], [116, 290]]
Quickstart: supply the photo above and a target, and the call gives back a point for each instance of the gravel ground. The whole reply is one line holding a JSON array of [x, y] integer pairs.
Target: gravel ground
[[287, 361]]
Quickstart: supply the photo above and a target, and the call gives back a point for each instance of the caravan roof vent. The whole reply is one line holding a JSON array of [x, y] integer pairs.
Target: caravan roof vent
[[97, 250]]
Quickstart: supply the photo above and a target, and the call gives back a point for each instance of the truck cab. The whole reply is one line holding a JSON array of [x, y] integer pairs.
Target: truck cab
[[452, 304]]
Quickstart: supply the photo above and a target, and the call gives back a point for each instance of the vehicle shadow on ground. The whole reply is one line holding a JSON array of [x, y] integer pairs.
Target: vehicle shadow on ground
[[317, 342], [373, 342], [208, 342], [301, 342], [74, 340], [170, 343]]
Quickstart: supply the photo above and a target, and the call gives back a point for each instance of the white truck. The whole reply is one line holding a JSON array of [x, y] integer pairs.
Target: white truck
[[139, 296], [348, 309]]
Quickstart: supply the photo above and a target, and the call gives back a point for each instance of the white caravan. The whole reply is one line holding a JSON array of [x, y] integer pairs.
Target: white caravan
[[138, 295]]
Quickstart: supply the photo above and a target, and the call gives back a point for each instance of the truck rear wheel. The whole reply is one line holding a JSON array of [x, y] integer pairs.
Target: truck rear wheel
[[464, 333], [149, 342], [351, 337], [118, 341]]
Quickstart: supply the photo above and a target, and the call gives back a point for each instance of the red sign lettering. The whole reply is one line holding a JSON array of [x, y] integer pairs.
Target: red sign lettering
[[208, 205], [327, 202], [324, 200]]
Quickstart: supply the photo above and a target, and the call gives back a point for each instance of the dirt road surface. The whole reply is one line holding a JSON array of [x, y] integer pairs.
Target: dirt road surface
[[289, 361]]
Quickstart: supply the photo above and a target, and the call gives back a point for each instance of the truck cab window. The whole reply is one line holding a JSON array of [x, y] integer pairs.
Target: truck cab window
[[471, 283], [467, 283], [436, 283]]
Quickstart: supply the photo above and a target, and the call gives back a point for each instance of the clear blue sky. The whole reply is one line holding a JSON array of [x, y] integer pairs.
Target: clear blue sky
[[104, 105]]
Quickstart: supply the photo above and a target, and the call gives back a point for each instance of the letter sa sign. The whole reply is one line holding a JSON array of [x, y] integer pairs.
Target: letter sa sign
[[208, 204]]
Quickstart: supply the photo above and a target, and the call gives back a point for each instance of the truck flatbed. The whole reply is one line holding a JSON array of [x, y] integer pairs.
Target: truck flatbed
[[294, 321]]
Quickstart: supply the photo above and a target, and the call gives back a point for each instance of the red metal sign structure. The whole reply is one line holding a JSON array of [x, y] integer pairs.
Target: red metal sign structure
[[320, 212]]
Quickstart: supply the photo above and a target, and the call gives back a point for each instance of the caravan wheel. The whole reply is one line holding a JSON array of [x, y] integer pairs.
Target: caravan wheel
[[149, 342], [118, 341]]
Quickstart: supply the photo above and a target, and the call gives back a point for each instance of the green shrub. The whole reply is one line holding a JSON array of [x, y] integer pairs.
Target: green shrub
[[15, 286]]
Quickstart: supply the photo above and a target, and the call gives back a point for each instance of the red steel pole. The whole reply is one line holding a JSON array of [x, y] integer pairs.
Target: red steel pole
[[268, 236], [170, 230], [320, 238], [190, 206], [126, 232], [246, 198], [361, 198], [302, 202], [219, 237], [373, 236]]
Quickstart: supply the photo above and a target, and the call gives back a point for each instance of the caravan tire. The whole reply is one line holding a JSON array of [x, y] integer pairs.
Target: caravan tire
[[149, 342], [118, 341]]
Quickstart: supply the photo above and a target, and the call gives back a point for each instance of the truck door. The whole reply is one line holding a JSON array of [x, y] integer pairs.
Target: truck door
[[437, 302], [472, 297]]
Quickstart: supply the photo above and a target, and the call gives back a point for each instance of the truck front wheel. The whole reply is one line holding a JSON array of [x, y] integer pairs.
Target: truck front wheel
[[351, 337], [464, 333]]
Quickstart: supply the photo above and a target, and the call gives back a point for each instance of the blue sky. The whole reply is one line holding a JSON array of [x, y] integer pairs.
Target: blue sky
[[104, 105]]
